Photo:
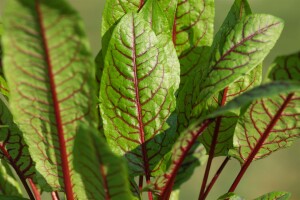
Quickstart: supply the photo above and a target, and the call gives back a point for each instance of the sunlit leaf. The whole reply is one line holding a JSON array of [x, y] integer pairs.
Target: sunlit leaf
[[230, 196], [104, 174], [12, 146], [286, 68], [49, 68], [275, 195], [137, 95], [8, 183], [245, 47]]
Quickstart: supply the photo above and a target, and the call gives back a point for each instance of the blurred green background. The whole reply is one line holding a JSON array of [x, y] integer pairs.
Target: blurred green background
[[280, 171]]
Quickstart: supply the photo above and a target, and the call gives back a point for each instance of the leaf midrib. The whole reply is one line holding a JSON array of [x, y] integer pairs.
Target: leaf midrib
[[62, 142], [139, 106]]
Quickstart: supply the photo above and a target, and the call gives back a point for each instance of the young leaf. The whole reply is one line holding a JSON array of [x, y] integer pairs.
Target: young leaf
[[245, 47], [137, 94], [50, 70], [8, 183], [104, 174], [275, 195], [12, 146]]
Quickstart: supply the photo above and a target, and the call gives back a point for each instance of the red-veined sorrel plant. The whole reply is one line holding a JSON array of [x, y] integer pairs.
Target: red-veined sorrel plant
[[163, 93]]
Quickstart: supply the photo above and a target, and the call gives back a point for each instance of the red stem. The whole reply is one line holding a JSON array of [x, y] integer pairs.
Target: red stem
[[174, 31], [215, 178], [166, 192], [34, 189], [260, 143], [213, 146], [55, 195], [141, 183], [62, 142]]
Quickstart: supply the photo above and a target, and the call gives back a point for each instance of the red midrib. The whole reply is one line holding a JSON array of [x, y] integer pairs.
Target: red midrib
[[165, 193], [63, 151], [139, 110], [174, 31], [260, 142]]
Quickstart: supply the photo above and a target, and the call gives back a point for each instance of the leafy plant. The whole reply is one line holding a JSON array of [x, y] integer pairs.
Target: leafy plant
[[161, 94]]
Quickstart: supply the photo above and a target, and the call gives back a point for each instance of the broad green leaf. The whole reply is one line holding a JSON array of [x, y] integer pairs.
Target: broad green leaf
[[194, 26], [268, 125], [169, 8], [275, 195], [223, 128], [49, 68], [114, 10], [163, 184], [104, 174], [137, 95], [8, 183], [268, 90], [246, 45], [286, 68], [192, 36], [3, 84], [230, 196], [12, 146]]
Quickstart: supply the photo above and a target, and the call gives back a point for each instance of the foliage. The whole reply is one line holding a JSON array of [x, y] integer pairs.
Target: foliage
[[163, 96]]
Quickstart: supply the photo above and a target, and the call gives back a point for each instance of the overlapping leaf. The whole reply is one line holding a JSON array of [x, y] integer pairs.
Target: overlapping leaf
[[286, 68], [192, 36], [12, 146], [50, 70], [270, 123], [275, 195], [8, 183], [245, 47], [3, 84], [137, 94], [220, 133], [104, 174]]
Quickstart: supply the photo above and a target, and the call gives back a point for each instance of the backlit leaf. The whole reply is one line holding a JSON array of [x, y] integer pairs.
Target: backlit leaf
[[275, 195], [286, 68], [8, 183], [12, 146], [137, 95], [245, 47], [50, 70], [104, 174]]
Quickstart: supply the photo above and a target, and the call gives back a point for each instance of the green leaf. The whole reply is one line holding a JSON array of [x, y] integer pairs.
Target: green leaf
[[163, 184], [153, 14], [104, 174], [8, 183], [192, 36], [245, 47], [285, 68], [268, 125], [169, 8], [275, 195], [223, 128], [49, 68], [11, 198], [230, 196], [114, 10], [12, 146], [268, 90], [137, 95]]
